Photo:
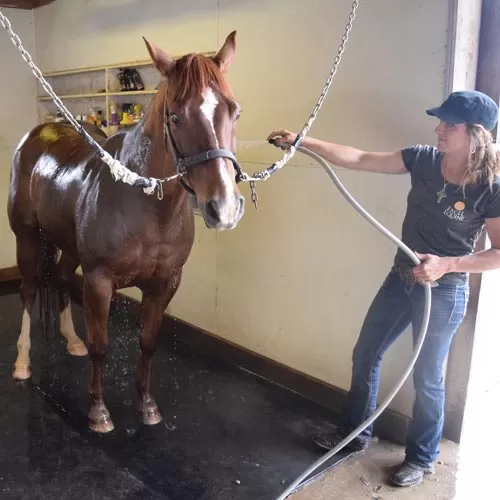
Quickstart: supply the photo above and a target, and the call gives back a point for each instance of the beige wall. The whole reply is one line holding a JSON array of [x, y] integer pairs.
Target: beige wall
[[18, 112], [294, 281]]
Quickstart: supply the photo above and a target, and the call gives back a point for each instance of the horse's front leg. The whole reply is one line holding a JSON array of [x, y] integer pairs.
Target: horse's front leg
[[154, 303], [97, 293]]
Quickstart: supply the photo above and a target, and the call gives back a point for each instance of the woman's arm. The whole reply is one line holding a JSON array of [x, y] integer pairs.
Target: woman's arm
[[433, 267], [485, 260], [346, 156]]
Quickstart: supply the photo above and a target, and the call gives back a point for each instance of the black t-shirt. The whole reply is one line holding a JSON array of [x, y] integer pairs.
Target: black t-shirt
[[446, 224]]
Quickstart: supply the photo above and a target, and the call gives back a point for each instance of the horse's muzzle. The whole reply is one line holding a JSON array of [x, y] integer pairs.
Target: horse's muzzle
[[223, 214]]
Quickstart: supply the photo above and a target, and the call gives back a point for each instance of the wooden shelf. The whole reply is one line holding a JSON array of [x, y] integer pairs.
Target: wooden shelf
[[96, 87], [91, 69], [99, 94]]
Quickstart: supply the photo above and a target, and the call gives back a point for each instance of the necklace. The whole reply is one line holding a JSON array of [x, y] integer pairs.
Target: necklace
[[441, 194]]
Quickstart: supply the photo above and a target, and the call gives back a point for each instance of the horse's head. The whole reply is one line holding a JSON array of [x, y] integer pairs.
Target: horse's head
[[200, 114]]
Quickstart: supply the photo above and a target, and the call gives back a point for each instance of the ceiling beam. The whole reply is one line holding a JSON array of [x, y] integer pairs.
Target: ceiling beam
[[24, 4]]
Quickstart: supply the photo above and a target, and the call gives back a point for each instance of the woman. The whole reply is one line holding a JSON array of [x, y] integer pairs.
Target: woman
[[455, 190]]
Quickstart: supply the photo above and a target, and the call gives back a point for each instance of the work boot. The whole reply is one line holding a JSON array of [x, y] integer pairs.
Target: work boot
[[329, 440], [410, 474]]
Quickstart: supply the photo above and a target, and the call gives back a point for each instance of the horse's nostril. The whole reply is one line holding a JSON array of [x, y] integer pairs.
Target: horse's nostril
[[213, 210]]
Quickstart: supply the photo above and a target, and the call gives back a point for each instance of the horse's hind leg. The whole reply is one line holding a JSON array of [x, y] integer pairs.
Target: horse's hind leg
[[65, 270], [154, 303], [97, 293], [27, 248]]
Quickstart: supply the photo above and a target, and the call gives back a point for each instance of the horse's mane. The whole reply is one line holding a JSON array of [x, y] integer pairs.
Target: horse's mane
[[192, 73]]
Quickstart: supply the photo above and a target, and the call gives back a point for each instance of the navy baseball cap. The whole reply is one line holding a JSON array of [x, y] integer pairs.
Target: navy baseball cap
[[467, 106]]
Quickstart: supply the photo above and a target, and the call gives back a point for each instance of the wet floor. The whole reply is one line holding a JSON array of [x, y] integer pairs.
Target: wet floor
[[226, 434]]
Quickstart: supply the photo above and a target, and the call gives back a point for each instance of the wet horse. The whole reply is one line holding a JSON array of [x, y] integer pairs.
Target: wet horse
[[62, 197]]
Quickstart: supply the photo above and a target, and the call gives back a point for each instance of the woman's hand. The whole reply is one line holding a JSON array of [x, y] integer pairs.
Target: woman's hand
[[282, 138], [431, 268]]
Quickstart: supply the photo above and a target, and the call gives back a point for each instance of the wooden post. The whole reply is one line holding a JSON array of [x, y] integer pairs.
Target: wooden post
[[488, 70], [459, 362]]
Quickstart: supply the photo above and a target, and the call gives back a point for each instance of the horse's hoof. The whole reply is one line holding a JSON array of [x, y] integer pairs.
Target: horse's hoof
[[22, 372], [102, 427], [77, 349], [151, 415], [100, 421]]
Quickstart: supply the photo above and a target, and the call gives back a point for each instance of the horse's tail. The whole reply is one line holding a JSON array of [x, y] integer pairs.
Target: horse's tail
[[48, 287]]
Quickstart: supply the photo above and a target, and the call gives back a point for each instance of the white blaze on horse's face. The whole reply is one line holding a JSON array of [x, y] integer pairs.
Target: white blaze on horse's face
[[208, 107], [228, 204]]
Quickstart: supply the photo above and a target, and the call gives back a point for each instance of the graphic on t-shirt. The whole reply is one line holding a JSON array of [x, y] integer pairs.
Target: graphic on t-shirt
[[456, 212]]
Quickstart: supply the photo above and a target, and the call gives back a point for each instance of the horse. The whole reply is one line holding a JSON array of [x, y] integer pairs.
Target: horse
[[64, 201]]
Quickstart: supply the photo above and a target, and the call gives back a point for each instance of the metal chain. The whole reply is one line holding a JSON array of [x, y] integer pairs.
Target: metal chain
[[329, 80], [290, 151], [118, 171], [150, 184]]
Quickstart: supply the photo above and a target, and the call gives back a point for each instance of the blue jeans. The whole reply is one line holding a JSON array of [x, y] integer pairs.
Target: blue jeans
[[396, 306]]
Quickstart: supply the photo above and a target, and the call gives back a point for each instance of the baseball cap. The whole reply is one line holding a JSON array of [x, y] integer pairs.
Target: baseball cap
[[467, 106]]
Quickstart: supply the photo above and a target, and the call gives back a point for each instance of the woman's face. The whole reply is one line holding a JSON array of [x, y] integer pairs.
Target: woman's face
[[452, 138]]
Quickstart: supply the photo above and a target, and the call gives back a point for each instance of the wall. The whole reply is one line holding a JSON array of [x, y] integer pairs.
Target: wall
[[17, 91], [294, 281]]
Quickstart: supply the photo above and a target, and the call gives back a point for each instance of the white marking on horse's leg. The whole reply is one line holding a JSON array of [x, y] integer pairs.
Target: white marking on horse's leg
[[22, 370], [76, 347]]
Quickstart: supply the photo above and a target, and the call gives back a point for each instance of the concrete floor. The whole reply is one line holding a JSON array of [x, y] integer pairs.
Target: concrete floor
[[365, 477], [467, 472], [480, 442]]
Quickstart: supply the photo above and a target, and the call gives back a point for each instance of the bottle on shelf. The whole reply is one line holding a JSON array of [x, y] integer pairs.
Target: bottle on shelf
[[127, 114], [138, 113], [101, 121], [113, 115], [92, 117], [114, 122]]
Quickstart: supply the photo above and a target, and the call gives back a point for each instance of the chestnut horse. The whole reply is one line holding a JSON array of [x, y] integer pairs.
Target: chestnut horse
[[63, 197]]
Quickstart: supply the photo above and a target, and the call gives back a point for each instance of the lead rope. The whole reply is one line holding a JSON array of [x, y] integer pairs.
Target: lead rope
[[290, 151], [118, 171]]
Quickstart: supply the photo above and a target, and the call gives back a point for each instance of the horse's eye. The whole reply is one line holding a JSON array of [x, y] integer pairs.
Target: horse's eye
[[237, 114], [175, 119]]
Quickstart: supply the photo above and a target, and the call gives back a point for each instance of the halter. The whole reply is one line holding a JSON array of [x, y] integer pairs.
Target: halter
[[182, 163]]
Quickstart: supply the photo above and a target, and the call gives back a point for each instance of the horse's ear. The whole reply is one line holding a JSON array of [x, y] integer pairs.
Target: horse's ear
[[225, 56], [162, 61]]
